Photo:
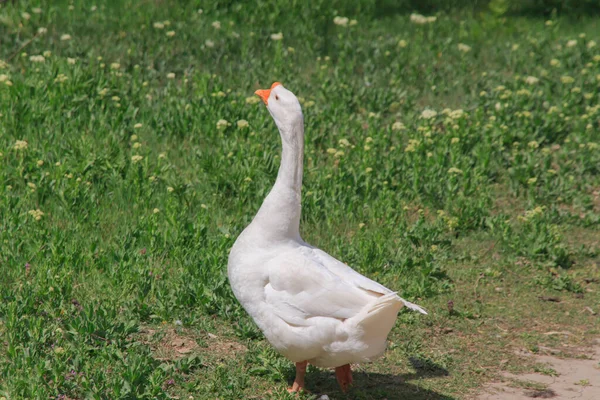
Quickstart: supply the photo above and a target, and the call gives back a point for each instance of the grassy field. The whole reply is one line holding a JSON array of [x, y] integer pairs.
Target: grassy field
[[455, 159]]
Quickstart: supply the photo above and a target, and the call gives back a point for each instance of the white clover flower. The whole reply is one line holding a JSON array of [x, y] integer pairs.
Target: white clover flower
[[20, 145], [341, 21], [402, 43], [36, 214], [428, 114], [222, 124], [242, 124], [26, 15], [531, 80], [209, 43], [36, 10], [398, 126], [65, 37], [420, 19], [456, 114], [158, 25], [71, 60], [465, 48], [252, 100], [135, 159], [216, 25], [115, 66], [60, 78], [171, 75], [171, 33], [42, 31], [37, 58], [572, 43], [277, 36], [567, 79]]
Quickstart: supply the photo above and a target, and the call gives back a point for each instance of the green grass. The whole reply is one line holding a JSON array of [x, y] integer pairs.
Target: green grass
[[117, 214]]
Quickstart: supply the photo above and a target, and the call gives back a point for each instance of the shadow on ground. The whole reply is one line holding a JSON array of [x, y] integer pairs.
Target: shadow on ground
[[380, 386]]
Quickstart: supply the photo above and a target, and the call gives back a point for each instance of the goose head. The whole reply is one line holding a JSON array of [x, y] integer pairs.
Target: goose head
[[283, 106]]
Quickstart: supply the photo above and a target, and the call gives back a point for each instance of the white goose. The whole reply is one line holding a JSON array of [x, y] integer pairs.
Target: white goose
[[311, 307]]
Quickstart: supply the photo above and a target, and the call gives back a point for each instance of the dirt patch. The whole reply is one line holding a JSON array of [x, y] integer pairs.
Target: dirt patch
[[172, 344], [559, 378]]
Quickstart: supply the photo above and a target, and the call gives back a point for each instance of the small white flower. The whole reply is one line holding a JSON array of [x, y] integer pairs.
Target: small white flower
[[420, 19], [65, 37], [242, 124], [277, 36], [465, 48], [171, 33], [531, 80], [216, 25], [42, 31], [26, 15], [37, 10], [341, 21], [71, 60], [170, 75], [20, 145], [428, 114], [252, 100], [158, 25], [222, 124], [572, 43], [209, 43], [398, 126], [37, 58], [115, 66]]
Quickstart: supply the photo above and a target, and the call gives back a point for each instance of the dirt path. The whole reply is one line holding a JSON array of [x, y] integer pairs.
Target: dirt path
[[564, 378]]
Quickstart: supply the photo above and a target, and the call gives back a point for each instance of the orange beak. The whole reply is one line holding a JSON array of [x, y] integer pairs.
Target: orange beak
[[265, 93]]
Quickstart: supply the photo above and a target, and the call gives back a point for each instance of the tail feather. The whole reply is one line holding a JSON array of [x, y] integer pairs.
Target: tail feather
[[390, 298], [413, 306]]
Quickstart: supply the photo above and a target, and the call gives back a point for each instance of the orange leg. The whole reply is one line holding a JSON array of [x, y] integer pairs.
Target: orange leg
[[299, 381], [344, 376]]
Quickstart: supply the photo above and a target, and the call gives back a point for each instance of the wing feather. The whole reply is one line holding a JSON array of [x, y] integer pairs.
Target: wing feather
[[301, 288]]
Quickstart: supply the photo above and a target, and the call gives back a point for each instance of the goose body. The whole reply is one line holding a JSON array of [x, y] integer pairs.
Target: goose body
[[310, 306]]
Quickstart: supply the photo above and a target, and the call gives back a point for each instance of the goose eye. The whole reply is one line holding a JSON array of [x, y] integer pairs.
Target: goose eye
[[276, 97]]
